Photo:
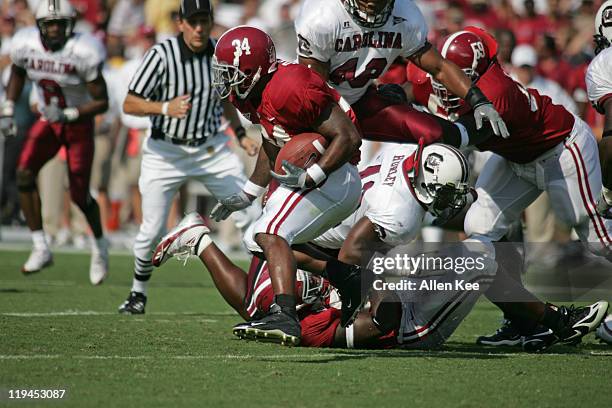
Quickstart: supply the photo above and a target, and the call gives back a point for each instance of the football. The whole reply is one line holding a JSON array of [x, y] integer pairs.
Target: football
[[302, 150]]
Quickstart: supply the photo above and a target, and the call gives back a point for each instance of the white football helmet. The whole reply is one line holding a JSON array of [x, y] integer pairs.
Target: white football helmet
[[55, 11], [603, 27], [440, 180]]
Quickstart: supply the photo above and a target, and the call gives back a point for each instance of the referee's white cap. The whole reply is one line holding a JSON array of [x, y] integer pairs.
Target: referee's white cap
[[191, 7]]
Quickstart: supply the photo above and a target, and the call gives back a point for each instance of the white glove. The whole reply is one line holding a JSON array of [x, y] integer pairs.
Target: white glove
[[54, 114], [228, 205], [8, 128], [488, 112], [294, 177]]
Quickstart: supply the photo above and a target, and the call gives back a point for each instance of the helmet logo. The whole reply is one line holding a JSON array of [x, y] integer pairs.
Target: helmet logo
[[432, 163], [479, 52], [240, 47], [606, 17]]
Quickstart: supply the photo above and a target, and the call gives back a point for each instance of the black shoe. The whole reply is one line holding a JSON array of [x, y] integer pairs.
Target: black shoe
[[134, 304], [579, 321], [276, 327], [506, 335], [540, 340]]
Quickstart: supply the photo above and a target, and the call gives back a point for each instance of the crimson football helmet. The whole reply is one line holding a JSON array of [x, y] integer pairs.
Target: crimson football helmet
[[55, 12], [370, 13], [471, 54], [242, 56]]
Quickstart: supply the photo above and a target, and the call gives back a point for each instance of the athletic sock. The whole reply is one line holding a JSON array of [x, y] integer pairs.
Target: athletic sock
[[39, 240], [287, 303], [143, 269], [202, 244]]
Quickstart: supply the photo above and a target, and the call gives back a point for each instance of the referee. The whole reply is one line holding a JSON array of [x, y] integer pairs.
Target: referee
[[173, 86]]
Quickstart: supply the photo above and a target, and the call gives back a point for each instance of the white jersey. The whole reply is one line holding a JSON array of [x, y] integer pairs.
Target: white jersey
[[387, 201], [357, 55], [599, 78], [61, 74]]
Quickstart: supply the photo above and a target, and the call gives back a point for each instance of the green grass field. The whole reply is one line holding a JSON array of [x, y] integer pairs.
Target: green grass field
[[57, 331]]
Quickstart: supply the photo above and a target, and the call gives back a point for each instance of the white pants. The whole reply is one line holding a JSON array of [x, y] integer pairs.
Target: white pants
[[429, 318], [165, 167], [571, 175], [299, 216]]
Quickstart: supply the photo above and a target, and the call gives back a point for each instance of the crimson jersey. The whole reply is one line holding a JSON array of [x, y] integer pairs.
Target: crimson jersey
[[536, 125], [291, 102]]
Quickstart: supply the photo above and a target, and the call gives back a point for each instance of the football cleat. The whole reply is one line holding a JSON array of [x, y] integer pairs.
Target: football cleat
[[182, 242], [275, 327], [351, 295], [134, 304], [539, 341], [38, 259], [579, 321], [604, 331], [506, 335], [603, 208], [98, 267]]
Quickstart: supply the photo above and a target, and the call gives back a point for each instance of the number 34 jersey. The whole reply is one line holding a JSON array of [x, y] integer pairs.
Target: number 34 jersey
[[61, 74], [357, 55]]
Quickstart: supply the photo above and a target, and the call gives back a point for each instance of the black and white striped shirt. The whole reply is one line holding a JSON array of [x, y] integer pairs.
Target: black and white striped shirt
[[170, 69]]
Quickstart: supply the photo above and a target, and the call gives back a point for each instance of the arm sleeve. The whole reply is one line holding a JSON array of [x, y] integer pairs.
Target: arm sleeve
[[417, 34], [314, 36], [599, 83], [92, 56], [148, 75]]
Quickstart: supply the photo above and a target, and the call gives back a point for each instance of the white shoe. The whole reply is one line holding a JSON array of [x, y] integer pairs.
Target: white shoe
[[98, 268], [604, 331], [39, 258], [183, 240]]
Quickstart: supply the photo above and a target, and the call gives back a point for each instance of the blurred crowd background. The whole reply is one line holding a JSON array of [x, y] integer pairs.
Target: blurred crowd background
[[545, 44]]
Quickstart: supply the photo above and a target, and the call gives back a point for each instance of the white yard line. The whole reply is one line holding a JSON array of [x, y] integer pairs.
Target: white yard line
[[259, 356], [94, 313]]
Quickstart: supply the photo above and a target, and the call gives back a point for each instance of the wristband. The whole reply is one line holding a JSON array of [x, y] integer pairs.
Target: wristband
[[71, 114], [164, 109], [475, 97], [253, 189], [316, 173], [240, 133]]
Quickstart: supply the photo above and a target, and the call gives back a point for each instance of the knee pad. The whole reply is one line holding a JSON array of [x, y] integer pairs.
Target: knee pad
[[25, 180]]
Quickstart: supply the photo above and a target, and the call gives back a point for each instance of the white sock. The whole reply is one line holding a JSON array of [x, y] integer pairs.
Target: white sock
[[140, 286], [432, 234], [39, 239], [205, 241]]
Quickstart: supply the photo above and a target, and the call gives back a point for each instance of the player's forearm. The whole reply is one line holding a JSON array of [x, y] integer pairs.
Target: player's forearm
[[453, 78], [93, 108], [261, 174], [319, 67], [345, 139], [137, 106], [16, 83]]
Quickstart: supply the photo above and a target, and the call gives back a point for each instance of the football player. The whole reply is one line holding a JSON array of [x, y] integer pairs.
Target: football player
[[400, 187], [352, 43], [599, 90], [288, 99], [66, 69], [550, 150]]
